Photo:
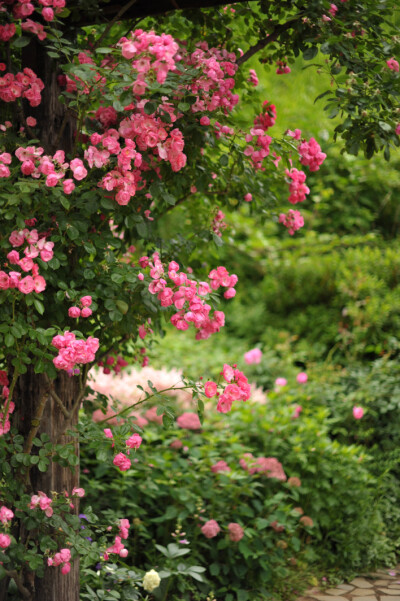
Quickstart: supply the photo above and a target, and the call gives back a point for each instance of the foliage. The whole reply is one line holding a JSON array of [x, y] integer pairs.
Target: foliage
[[106, 133]]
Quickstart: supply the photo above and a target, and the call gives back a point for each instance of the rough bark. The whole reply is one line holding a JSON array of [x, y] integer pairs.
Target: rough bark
[[31, 388]]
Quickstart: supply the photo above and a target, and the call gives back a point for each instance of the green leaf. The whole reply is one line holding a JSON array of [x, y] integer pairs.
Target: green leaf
[[150, 107], [9, 339], [21, 42], [171, 200], [224, 160], [39, 306], [310, 53]]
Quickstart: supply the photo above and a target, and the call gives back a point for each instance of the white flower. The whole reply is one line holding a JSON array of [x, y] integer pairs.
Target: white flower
[[151, 580]]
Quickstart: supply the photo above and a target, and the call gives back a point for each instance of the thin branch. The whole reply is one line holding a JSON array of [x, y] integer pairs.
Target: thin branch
[[272, 37], [118, 16], [36, 422], [56, 398], [18, 581]]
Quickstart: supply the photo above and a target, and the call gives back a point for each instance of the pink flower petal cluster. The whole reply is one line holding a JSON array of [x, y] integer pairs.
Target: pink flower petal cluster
[[253, 79], [134, 441], [47, 8], [122, 462], [302, 377], [5, 541], [297, 186], [358, 412], [253, 356], [5, 160], [282, 68], [9, 407], [118, 548], [293, 220], [237, 389], [124, 526], [72, 351], [269, 466], [260, 142], [297, 410], [37, 246], [150, 54], [42, 501], [62, 558], [24, 84], [210, 529], [7, 31], [218, 225], [393, 64], [236, 532], [189, 421], [213, 88], [116, 363], [186, 295], [311, 154], [84, 310], [220, 466], [6, 515]]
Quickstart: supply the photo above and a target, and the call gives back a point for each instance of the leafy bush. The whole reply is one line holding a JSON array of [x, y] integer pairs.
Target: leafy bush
[[172, 491]]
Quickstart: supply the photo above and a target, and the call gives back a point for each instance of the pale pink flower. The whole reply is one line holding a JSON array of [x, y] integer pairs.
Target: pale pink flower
[[5, 541], [122, 462], [220, 466], [134, 441], [236, 532], [302, 377], [358, 412], [280, 382], [210, 389], [253, 356], [189, 421], [210, 529]]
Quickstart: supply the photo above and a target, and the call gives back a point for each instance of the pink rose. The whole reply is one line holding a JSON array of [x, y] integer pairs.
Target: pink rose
[[26, 285], [86, 312], [253, 356], [86, 301], [122, 462], [236, 532], [5, 541], [210, 529], [302, 377], [74, 312], [358, 412], [210, 389], [134, 441]]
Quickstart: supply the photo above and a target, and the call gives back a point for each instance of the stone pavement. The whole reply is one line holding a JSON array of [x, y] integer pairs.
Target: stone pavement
[[383, 585]]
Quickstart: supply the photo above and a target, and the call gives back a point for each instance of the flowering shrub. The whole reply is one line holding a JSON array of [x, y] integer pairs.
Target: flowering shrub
[[102, 137]]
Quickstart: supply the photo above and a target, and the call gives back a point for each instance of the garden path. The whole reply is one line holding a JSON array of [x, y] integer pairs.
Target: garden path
[[383, 585]]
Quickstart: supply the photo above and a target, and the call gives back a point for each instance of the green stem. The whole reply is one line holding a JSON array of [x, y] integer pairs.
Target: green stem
[[142, 401]]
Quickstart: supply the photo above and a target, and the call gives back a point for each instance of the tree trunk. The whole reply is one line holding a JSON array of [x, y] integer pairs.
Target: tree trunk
[[30, 390]]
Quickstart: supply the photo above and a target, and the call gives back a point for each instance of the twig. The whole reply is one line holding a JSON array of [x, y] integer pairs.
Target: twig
[[36, 422], [22, 589], [272, 37], [56, 398], [121, 12]]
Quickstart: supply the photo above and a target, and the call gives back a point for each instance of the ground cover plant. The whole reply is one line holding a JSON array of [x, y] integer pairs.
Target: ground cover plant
[[111, 121]]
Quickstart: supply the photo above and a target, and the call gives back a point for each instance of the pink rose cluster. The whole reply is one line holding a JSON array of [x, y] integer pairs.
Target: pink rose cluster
[[63, 559], [116, 363], [121, 461], [6, 515], [37, 246], [72, 351], [237, 389], [54, 168], [118, 547], [84, 310], [47, 9], [187, 295], [253, 79], [42, 501], [211, 529], [220, 467], [218, 224], [151, 54], [214, 87], [24, 84], [268, 466], [9, 406], [311, 154], [258, 150], [393, 64], [293, 220], [282, 68]]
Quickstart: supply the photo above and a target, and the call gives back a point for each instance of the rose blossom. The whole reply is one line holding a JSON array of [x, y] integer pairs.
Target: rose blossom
[[210, 529]]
